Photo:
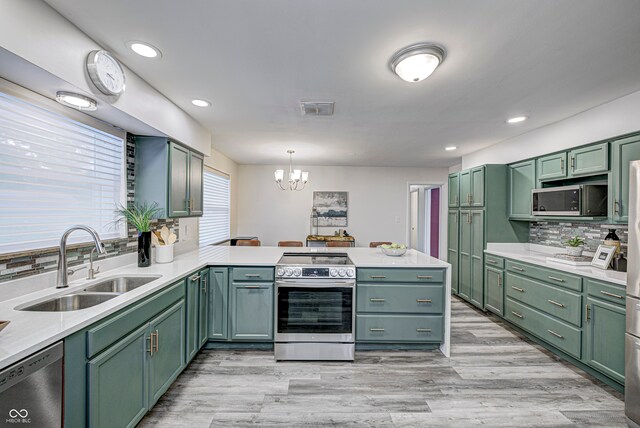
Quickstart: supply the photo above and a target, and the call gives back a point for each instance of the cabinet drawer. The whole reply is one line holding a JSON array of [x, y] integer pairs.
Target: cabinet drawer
[[252, 274], [400, 275], [399, 328], [552, 300], [425, 299], [107, 332], [551, 276], [605, 291], [494, 261], [557, 333]]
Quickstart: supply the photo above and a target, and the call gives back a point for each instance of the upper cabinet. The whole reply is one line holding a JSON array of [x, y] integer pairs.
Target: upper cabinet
[[472, 187], [552, 167], [169, 175], [465, 188], [583, 161], [454, 190], [522, 180], [623, 151]]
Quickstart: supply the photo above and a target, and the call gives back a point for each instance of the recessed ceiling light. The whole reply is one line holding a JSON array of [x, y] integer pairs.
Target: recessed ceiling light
[[516, 119], [450, 148], [200, 103], [416, 62], [144, 49], [77, 101]]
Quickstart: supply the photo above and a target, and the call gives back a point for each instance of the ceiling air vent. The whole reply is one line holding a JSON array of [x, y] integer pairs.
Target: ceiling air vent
[[312, 108]]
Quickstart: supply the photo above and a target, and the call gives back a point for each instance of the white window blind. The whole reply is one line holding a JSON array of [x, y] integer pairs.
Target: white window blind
[[55, 173], [215, 222]]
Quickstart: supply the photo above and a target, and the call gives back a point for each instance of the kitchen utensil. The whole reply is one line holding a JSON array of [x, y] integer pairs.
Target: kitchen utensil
[[164, 233], [154, 240], [172, 239]]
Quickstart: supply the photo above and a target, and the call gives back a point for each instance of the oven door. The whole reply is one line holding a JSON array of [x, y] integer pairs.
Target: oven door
[[314, 311], [557, 201]]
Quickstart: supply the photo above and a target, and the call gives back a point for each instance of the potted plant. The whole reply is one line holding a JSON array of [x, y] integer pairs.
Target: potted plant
[[575, 246], [140, 216]]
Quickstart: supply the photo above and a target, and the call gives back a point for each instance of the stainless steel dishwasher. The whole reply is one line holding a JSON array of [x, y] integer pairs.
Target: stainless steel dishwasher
[[31, 390]]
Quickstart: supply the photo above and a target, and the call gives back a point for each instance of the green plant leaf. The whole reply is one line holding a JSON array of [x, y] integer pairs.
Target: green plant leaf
[[139, 215]]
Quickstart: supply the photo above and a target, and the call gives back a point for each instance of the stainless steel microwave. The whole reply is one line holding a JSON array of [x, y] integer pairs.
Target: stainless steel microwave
[[589, 200]]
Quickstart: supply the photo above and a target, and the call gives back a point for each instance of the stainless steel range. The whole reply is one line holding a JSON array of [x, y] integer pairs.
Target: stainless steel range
[[315, 307]]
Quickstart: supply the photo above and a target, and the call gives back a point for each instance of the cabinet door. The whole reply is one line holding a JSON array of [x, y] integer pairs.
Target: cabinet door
[[178, 181], [605, 338], [623, 152], [192, 301], [477, 187], [117, 382], [195, 184], [477, 258], [454, 190], [494, 279], [464, 275], [251, 315], [522, 180], [465, 188], [168, 357], [589, 160], [552, 167], [203, 310], [218, 307], [453, 247]]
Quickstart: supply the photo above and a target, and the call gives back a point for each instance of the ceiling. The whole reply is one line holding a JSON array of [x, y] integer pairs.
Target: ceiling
[[255, 60]]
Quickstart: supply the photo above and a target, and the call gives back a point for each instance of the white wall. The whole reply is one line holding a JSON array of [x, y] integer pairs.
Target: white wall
[[614, 118], [37, 33], [378, 201], [220, 162]]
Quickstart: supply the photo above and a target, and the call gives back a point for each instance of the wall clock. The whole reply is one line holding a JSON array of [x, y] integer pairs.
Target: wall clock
[[106, 72]]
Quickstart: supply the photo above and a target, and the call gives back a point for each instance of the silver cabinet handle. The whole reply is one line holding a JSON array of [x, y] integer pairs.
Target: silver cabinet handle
[[194, 278], [423, 300], [573, 164], [606, 293], [376, 329], [518, 289], [555, 303], [499, 280], [377, 276], [517, 314], [252, 275], [204, 285], [493, 262], [562, 165], [150, 339], [616, 206], [251, 286], [588, 313], [556, 279], [423, 330], [519, 269], [424, 276], [556, 334], [374, 299]]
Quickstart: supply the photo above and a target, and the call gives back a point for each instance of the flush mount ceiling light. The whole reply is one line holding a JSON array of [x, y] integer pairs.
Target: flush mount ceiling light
[[297, 178], [516, 119], [450, 148], [416, 62], [76, 101], [144, 49], [200, 103]]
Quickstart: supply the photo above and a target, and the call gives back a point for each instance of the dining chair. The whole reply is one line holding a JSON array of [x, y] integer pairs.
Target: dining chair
[[338, 244], [290, 244], [248, 243], [376, 244]]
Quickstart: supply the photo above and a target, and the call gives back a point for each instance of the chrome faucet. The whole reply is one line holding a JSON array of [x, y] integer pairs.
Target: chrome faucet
[[63, 274]]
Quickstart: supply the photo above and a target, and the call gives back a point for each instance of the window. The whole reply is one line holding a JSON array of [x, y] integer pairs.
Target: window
[[215, 221], [54, 173]]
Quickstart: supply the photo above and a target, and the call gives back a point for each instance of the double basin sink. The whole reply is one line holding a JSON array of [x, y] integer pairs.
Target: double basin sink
[[91, 295]]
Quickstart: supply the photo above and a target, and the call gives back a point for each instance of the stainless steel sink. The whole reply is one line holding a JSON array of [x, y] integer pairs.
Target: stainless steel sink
[[70, 302], [121, 284]]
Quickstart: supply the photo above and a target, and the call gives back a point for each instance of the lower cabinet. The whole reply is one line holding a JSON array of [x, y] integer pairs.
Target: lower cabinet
[[494, 281], [197, 308], [604, 332], [218, 303], [251, 311]]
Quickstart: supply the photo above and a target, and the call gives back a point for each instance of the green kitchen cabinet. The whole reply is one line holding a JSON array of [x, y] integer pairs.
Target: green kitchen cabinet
[[477, 187], [170, 175], [589, 160], [196, 316], [465, 245], [218, 303], [623, 151], [494, 280], [605, 329], [552, 167], [454, 190], [251, 311], [465, 188], [453, 253], [522, 180], [476, 228], [203, 309]]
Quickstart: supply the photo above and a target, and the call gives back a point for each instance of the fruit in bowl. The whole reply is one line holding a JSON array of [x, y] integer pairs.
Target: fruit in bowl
[[394, 249]]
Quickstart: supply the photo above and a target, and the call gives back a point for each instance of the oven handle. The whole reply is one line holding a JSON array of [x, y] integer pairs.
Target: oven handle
[[316, 284]]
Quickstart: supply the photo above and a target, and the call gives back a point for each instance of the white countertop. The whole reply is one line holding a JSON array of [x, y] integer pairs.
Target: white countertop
[[30, 331], [537, 255]]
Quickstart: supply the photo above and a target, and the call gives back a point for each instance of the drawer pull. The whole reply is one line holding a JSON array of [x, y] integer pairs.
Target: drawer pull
[[194, 278], [374, 299], [517, 314], [376, 329], [423, 300], [493, 262], [252, 275], [150, 339], [555, 303], [423, 330], [556, 279], [377, 276], [517, 268], [556, 334], [612, 295], [251, 286], [424, 276], [518, 289]]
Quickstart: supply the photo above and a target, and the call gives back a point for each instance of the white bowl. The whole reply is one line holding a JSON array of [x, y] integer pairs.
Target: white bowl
[[394, 252]]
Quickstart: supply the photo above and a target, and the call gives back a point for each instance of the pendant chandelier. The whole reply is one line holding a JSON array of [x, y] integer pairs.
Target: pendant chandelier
[[297, 177]]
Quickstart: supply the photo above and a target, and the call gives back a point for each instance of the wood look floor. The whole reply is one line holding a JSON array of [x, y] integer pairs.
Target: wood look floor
[[495, 378]]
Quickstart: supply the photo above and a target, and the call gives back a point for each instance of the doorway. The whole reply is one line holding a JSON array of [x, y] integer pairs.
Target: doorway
[[424, 218]]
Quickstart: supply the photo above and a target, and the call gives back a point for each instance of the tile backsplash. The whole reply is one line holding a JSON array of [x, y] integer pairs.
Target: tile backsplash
[[555, 234], [23, 264]]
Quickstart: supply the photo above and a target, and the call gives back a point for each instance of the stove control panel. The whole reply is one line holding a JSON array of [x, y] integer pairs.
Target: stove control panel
[[315, 272]]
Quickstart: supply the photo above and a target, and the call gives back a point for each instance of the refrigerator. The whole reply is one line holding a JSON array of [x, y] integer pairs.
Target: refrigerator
[[632, 336]]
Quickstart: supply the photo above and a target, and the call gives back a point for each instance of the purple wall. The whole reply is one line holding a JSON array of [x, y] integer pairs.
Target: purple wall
[[434, 244]]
